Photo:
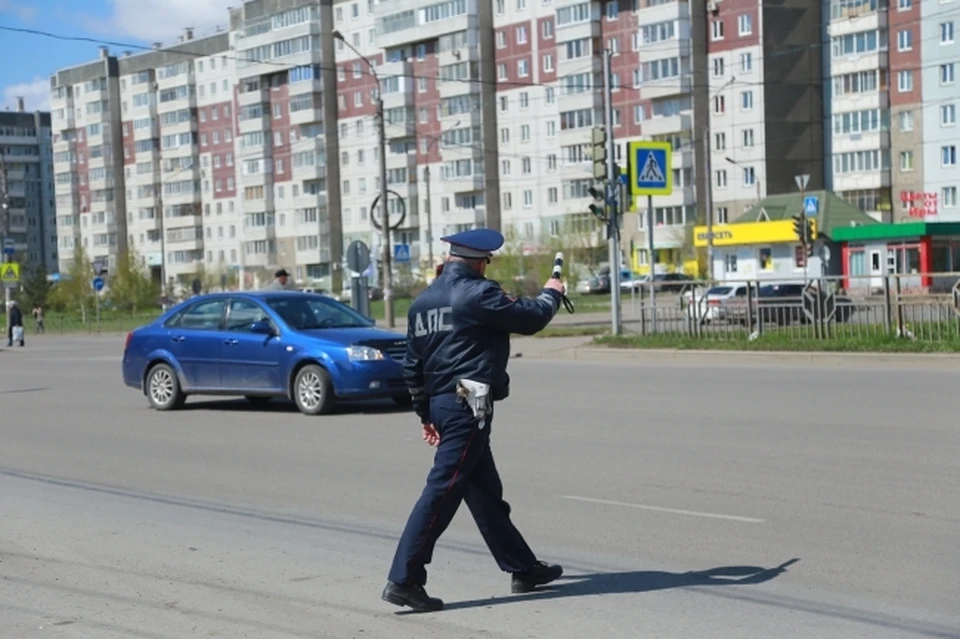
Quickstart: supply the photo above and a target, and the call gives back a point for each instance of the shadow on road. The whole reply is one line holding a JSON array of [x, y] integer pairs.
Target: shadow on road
[[639, 581], [372, 407]]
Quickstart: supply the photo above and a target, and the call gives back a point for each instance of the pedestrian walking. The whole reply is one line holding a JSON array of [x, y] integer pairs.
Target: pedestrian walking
[[15, 322], [38, 318], [458, 344]]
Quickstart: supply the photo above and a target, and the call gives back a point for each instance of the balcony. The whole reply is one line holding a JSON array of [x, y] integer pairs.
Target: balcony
[[860, 101], [679, 85], [861, 181], [663, 12], [849, 142], [399, 22], [841, 65], [667, 124], [580, 30]]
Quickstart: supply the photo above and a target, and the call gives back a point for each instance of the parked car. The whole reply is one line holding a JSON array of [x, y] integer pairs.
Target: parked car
[[711, 305], [784, 304], [260, 345]]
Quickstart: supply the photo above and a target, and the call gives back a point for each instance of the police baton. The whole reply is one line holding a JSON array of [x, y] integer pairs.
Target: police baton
[[557, 270]]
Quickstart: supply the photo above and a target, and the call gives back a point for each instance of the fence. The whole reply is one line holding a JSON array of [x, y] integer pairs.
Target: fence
[[63, 323], [821, 308]]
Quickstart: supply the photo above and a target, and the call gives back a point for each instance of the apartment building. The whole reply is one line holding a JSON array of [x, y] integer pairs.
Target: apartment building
[[88, 171], [765, 101], [440, 101], [287, 140], [26, 188], [858, 107], [938, 69]]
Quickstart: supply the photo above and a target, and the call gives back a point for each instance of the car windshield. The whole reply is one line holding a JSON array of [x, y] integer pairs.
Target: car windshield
[[719, 290], [305, 312]]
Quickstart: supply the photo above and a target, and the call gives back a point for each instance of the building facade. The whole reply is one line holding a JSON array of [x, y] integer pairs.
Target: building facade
[[28, 224]]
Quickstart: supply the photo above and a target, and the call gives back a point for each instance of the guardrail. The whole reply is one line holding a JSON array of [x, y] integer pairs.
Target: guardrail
[[818, 308]]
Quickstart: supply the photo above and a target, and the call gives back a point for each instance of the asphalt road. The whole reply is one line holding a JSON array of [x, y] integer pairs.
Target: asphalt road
[[704, 499]]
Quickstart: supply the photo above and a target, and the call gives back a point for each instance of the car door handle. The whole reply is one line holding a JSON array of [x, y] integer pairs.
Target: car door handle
[[178, 338], [231, 342]]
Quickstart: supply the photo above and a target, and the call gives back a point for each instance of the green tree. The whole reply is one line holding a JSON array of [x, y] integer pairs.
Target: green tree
[[74, 292], [36, 288], [130, 286]]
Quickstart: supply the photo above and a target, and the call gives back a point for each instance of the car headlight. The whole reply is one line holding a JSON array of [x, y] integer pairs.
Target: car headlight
[[364, 354]]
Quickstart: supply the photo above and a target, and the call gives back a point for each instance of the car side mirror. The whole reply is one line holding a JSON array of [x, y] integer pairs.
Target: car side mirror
[[262, 328]]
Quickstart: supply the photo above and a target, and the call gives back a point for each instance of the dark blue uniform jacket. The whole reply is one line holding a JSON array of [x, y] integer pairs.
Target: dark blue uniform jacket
[[460, 328]]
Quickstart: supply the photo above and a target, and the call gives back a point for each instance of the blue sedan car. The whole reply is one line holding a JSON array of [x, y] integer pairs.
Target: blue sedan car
[[309, 348]]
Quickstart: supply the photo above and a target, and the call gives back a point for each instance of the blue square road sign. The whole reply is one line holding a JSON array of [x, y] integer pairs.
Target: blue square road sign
[[811, 205]]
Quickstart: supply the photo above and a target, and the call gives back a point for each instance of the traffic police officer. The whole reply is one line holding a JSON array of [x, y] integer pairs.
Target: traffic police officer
[[458, 344]]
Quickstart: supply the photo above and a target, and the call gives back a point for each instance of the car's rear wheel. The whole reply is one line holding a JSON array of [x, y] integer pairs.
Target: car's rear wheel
[[258, 400], [163, 388], [313, 390]]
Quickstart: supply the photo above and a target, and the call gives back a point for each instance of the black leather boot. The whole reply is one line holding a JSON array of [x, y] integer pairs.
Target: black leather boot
[[540, 575], [409, 595]]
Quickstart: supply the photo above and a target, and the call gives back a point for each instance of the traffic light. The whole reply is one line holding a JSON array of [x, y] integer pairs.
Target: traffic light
[[810, 235], [599, 140], [599, 206], [799, 222]]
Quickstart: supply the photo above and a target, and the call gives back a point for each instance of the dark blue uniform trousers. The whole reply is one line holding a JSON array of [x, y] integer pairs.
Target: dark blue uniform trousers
[[463, 470]]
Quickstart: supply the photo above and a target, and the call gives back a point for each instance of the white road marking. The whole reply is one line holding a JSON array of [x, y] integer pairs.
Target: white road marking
[[675, 511]]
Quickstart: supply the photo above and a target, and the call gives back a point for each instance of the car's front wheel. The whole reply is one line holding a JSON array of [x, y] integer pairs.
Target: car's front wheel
[[313, 390], [163, 388]]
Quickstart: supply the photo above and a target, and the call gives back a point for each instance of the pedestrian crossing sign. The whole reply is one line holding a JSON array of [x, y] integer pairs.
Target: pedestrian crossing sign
[[10, 273], [651, 171]]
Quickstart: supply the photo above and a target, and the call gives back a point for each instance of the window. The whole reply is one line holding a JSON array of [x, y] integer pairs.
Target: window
[[746, 100], [204, 316], [947, 73], [906, 160], [948, 196], [746, 62], [948, 155], [946, 32], [905, 81], [717, 67], [748, 138], [948, 114], [749, 176], [745, 24], [717, 29], [730, 263], [905, 40], [906, 120], [765, 259], [799, 256], [243, 314]]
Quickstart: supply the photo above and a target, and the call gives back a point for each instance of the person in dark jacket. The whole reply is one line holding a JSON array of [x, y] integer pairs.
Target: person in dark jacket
[[16, 321], [458, 344]]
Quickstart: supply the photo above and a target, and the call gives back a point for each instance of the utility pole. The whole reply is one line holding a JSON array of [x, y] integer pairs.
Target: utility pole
[[612, 193], [708, 192], [385, 218], [385, 223], [5, 209], [429, 207]]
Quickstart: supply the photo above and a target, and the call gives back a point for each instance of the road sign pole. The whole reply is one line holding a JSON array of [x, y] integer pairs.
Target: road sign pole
[[653, 264], [611, 193]]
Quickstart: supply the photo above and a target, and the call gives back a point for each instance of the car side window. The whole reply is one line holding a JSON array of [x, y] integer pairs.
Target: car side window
[[243, 313], [204, 316]]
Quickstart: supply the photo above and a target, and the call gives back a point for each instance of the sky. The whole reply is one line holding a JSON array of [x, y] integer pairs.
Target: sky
[[28, 60]]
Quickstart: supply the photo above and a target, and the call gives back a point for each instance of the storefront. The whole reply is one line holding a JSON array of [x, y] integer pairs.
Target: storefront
[[922, 254], [765, 250]]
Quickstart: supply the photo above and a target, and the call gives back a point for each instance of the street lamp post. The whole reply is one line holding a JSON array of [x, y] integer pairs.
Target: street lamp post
[[385, 224]]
